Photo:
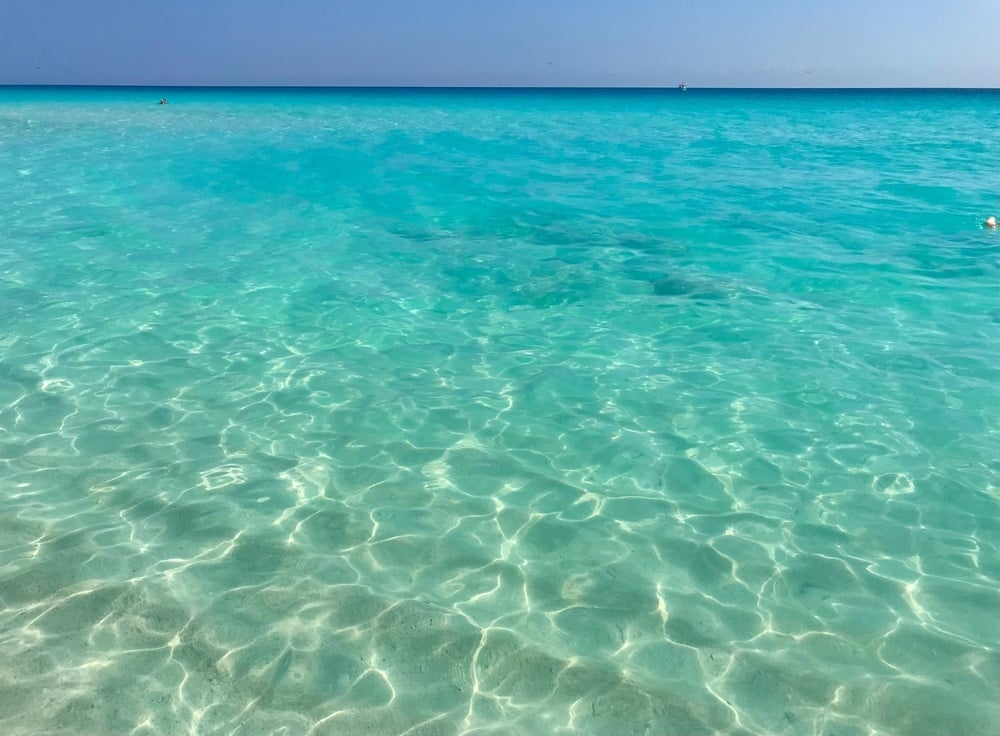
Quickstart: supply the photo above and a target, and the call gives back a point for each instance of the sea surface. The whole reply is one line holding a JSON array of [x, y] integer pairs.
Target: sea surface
[[499, 412]]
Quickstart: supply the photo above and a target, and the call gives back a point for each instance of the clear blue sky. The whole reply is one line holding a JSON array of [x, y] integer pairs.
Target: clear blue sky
[[502, 42]]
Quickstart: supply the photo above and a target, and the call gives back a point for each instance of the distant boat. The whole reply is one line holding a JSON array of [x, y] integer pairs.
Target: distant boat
[[682, 86]]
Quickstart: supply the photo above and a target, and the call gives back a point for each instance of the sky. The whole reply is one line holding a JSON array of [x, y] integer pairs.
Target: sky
[[709, 43]]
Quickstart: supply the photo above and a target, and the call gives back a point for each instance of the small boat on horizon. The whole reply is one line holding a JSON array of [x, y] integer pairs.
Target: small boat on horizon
[[682, 87]]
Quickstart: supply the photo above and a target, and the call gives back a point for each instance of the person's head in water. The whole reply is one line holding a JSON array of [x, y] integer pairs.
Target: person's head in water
[[163, 101], [991, 221]]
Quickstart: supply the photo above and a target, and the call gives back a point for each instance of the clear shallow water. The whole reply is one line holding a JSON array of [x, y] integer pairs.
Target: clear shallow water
[[499, 412]]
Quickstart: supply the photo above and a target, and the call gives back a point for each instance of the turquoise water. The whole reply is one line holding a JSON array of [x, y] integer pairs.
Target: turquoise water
[[497, 412]]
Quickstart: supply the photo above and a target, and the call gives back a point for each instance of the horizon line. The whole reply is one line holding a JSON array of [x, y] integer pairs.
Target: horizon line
[[688, 87]]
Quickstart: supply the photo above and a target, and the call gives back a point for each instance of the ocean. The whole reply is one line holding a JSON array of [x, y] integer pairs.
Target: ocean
[[499, 412]]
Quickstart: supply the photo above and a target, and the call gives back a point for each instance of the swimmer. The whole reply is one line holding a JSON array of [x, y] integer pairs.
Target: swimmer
[[991, 221], [163, 101]]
